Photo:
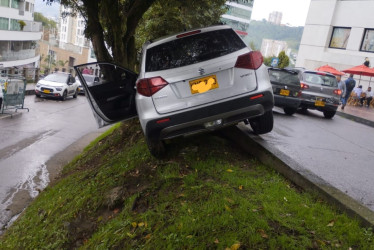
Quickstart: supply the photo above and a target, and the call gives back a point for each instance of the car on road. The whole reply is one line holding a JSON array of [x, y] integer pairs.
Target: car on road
[[57, 85], [286, 89], [90, 79], [191, 82], [319, 91]]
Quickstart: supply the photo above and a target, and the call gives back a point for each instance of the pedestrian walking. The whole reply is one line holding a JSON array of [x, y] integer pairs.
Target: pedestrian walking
[[343, 88], [368, 96], [350, 83]]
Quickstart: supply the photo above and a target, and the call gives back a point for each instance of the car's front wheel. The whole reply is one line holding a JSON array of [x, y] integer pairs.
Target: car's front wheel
[[263, 124], [64, 95], [329, 114], [289, 111], [156, 147], [76, 93]]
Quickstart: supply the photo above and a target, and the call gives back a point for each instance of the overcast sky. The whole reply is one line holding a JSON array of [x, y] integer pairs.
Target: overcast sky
[[294, 11]]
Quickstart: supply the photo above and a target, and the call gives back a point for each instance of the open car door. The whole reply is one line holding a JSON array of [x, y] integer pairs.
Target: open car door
[[111, 94]]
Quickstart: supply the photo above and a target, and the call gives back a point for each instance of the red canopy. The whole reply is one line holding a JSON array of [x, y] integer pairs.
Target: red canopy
[[361, 70], [329, 69]]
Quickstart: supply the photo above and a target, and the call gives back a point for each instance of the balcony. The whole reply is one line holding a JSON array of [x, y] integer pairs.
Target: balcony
[[18, 50]]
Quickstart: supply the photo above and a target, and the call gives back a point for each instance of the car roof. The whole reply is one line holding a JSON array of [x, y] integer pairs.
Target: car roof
[[169, 38]]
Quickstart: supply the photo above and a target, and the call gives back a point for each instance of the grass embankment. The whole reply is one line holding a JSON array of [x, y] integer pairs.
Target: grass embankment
[[206, 194]]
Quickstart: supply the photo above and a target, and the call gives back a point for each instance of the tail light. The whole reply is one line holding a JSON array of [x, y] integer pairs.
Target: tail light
[[251, 60], [304, 85], [337, 91], [149, 86]]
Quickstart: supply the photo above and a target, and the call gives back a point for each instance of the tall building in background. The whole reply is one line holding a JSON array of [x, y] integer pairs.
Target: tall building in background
[[275, 17], [273, 47], [238, 16], [19, 35]]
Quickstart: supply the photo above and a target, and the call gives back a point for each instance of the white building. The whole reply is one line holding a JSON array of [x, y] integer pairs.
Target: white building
[[273, 47], [71, 33], [19, 35], [275, 17], [339, 33]]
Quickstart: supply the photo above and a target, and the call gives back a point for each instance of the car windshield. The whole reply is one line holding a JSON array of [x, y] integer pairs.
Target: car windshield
[[88, 78], [284, 77], [56, 78], [320, 79], [192, 49]]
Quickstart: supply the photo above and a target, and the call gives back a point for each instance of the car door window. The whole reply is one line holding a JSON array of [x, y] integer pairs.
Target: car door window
[[112, 91]]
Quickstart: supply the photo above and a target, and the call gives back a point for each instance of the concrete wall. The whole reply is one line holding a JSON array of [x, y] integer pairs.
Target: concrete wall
[[323, 15]]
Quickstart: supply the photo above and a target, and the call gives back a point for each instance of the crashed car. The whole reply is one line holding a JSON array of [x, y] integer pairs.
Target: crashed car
[[191, 82]]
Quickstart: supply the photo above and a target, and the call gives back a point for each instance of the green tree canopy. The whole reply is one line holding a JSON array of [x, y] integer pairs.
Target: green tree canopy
[[46, 22], [112, 25], [284, 60]]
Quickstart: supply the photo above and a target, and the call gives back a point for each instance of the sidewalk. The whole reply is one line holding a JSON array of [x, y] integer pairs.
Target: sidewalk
[[359, 114]]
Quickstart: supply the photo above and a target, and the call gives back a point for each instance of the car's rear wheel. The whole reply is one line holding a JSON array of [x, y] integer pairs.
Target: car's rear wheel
[[289, 111], [64, 95], [329, 114], [156, 147], [76, 93], [263, 124]]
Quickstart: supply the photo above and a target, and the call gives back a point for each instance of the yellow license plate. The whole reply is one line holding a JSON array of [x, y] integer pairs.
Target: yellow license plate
[[319, 103], [46, 91], [204, 84], [285, 92]]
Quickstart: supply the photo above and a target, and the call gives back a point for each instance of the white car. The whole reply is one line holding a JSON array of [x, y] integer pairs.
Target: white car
[[57, 85], [196, 81]]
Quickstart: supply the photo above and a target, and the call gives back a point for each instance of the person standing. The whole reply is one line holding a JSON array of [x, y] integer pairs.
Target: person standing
[[1, 96], [350, 83], [343, 88], [368, 97]]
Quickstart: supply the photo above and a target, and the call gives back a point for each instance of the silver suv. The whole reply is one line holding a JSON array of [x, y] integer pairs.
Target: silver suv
[[319, 91], [201, 80]]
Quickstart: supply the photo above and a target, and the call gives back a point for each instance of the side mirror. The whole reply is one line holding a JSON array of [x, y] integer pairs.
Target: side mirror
[[71, 79]]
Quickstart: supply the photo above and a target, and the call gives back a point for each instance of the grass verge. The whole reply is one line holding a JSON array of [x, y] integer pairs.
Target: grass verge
[[206, 194]]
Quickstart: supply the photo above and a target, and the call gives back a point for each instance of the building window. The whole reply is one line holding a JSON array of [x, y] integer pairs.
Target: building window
[[15, 4], [339, 37], [4, 23], [27, 7], [14, 24], [4, 3], [368, 41]]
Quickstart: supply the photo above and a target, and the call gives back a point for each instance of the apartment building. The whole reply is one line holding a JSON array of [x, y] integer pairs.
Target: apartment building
[[19, 36], [238, 16], [275, 17]]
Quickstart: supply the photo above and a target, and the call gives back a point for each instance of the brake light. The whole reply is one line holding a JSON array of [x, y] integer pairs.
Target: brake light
[[188, 33], [251, 60], [149, 86], [256, 96], [337, 91], [304, 85]]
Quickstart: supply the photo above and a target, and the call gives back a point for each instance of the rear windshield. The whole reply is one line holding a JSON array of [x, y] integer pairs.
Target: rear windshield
[[284, 77], [192, 49], [56, 78], [323, 80]]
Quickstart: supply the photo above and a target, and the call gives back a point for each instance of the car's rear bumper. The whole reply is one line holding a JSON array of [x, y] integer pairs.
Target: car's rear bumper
[[286, 101], [192, 122], [310, 104]]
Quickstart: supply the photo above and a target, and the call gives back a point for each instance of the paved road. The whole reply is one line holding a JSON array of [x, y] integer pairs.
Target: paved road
[[29, 140], [339, 151]]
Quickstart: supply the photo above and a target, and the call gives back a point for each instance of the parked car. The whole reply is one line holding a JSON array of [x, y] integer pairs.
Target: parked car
[[57, 85], [90, 79], [286, 89], [319, 91], [196, 81]]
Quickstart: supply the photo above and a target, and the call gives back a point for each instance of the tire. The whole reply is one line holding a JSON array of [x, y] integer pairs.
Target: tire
[[156, 147], [64, 95], [289, 111], [304, 109], [75, 94], [329, 114], [263, 124], [37, 95]]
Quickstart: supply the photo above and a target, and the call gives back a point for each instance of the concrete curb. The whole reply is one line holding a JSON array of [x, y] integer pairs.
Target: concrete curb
[[356, 119], [293, 171]]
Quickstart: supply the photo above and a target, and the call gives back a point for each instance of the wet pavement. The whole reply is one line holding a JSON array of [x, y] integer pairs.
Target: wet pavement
[[28, 140]]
